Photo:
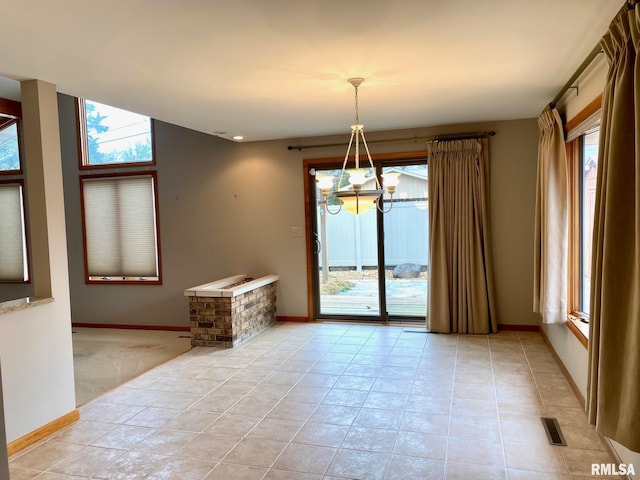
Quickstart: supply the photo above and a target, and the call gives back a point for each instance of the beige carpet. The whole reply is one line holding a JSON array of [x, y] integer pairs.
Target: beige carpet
[[105, 358]]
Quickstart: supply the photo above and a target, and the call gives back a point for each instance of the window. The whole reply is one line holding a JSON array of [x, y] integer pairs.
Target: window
[[582, 156], [121, 228], [13, 244], [112, 136], [587, 192], [9, 146], [14, 266]]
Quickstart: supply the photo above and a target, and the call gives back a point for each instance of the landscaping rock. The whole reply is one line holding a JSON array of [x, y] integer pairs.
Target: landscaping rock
[[407, 270]]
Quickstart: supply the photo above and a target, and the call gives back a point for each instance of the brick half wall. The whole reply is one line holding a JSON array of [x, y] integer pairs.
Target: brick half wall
[[230, 321]]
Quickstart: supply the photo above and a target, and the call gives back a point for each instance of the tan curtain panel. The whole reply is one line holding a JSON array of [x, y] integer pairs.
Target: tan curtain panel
[[460, 277], [613, 392], [551, 221]]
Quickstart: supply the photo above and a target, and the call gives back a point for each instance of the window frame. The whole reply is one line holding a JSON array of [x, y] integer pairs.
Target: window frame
[[25, 230], [576, 129], [83, 146], [125, 280], [11, 113]]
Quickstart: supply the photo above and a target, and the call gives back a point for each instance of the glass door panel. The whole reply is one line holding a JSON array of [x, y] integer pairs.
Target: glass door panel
[[346, 259], [406, 244]]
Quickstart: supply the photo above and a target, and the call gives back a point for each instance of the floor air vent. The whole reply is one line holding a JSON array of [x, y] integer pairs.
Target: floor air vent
[[552, 429]]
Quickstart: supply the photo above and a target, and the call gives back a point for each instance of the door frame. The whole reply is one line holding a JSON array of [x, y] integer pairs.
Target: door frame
[[309, 163]]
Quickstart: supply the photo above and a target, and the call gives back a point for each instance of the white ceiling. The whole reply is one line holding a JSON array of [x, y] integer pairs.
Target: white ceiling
[[270, 69]]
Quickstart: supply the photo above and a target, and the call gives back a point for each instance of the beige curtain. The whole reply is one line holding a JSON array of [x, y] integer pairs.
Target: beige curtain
[[551, 221], [460, 279], [613, 393]]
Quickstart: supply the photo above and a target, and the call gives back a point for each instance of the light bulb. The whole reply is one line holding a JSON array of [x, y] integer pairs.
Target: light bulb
[[325, 183], [391, 178], [357, 177]]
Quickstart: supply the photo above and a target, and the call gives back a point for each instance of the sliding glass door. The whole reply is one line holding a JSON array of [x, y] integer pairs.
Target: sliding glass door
[[406, 244], [371, 266], [346, 259]]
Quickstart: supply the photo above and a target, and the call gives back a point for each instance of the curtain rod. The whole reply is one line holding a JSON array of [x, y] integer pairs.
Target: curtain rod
[[583, 66], [431, 139], [629, 5]]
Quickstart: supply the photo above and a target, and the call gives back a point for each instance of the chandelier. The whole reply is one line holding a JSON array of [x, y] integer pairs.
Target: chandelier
[[354, 197]]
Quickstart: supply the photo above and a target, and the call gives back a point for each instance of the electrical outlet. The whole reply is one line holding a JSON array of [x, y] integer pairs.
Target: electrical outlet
[[297, 231]]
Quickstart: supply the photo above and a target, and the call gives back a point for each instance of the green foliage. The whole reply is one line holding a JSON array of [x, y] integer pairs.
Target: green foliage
[[9, 152], [139, 152], [9, 156], [94, 128]]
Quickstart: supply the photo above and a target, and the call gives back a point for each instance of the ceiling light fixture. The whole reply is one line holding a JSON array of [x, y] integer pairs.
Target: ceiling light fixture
[[238, 137], [353, 197]]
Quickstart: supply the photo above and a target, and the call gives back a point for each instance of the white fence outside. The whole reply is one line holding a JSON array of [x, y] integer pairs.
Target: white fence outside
[[351, 240]]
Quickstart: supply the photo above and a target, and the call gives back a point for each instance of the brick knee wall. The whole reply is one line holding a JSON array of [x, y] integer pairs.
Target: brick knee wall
[[229, 321]]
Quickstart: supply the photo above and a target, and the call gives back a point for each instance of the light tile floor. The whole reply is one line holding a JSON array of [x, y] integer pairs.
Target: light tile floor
[[332, 401]]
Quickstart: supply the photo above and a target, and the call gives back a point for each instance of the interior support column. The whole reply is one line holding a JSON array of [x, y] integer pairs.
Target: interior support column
[[43, 165]]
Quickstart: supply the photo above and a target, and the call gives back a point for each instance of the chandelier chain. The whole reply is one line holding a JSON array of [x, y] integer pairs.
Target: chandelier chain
[[357, 110]]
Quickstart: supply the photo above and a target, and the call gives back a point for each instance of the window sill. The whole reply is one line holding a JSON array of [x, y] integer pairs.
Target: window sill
[[107, 166], [123, 281], [579, 329], [22, 303]]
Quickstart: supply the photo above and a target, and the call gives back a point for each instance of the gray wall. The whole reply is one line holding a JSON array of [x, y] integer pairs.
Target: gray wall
[[227, 208], [12, 291]]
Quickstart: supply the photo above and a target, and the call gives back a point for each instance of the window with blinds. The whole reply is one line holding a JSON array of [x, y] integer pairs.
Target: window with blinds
[[120, 228], [13, 244]]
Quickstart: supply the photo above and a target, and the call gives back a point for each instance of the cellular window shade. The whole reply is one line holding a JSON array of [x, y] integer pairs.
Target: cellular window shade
[[120, 227], [13, 249]]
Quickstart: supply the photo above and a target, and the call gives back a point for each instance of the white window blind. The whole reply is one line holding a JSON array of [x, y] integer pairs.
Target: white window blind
[[13, 247], [120, 227]]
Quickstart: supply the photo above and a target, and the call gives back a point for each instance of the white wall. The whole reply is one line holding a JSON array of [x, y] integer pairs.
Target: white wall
[[37, 367], [571, 352], [4, 460], [590, 85]]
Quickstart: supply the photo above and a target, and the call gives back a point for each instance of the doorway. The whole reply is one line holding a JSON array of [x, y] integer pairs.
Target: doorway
[[372, 266]]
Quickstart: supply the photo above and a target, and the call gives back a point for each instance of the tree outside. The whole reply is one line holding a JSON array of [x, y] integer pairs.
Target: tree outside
[[9, 151], [116, 136]]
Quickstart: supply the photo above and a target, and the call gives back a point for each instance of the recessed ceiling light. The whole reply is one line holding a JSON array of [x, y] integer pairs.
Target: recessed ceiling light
[[238, 137]]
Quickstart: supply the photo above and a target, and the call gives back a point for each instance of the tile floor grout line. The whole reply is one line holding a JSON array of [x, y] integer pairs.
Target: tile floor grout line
[[499, 418], [453, 386]]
